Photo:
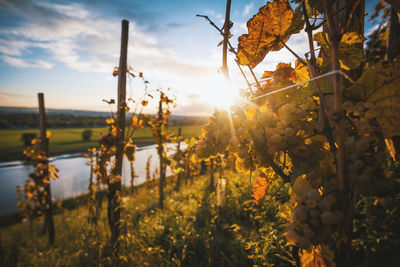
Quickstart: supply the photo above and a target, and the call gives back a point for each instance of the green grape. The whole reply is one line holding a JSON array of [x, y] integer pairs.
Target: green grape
[[301, 114], [358, 109], [292, 237], [314, 213], [361, 145], [304, 243], [324, 205], [369, 105], [314, 222], [348, 106], [338, 217], [311, 203], [328, 217], [366, 128], [308, 233], [313, 194], [276, 138], [370, 114], [287, 108], [280, 129], [289, 131], [300, 213], [358, 164]]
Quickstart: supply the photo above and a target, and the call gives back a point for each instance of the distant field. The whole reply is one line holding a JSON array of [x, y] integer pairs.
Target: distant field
[[70, 140]]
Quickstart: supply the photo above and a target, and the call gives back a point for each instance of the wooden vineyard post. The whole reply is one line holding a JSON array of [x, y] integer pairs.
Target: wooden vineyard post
[[114, 182], [227, 25], [392, 50], [160, 150], [179, 158], [44, 152]]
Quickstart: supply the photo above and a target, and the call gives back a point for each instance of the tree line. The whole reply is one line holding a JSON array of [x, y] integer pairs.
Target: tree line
[[30, 120]]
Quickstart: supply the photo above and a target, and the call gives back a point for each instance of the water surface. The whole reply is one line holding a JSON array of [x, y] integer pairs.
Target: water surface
[[74, 175]]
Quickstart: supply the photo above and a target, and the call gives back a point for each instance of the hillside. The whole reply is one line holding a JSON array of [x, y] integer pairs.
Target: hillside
[[21, 117]]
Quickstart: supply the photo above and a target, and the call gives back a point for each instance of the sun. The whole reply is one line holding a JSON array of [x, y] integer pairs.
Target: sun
[[219, 91]]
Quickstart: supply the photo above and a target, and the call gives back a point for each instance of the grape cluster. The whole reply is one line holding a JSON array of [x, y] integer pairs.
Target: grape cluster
[[277, 129], [366, 150], [314, 218], [217, 135]]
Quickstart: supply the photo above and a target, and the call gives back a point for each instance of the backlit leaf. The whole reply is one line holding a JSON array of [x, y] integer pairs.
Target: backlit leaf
[[220, 43], [110, 121], [260, 187], [115, 72], [379, 84], [312, 258], [350, 50], [273, 24]]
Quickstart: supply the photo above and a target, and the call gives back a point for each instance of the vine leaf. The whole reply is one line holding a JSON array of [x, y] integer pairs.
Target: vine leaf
[[350, 49], [284, 75], [379, 84], [220, 43], [260, 187], [272, 25], [312, 259]]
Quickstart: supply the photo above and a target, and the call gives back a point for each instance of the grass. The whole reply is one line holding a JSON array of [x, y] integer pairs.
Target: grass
[[190, 231], [64, 141]]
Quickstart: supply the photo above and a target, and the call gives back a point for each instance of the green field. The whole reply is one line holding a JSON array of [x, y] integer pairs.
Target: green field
[[70, 140]]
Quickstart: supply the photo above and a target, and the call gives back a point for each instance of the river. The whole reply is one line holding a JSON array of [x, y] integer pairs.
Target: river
[[73, 175]]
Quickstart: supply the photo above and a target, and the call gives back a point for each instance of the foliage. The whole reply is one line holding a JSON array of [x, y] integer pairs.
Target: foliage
[[300, 136], [268, 29], [27, 138], [190, 231], [86, 135], [161, 135], [33, 197]]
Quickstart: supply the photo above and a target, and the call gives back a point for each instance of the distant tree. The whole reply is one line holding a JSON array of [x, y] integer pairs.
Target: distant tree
[[86, 135], [27, 138]]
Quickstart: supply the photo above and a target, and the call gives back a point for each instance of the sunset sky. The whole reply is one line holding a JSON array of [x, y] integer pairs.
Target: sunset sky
[[68, 49]]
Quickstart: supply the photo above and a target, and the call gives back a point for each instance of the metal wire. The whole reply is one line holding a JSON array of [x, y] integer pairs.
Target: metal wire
[[310, 80]]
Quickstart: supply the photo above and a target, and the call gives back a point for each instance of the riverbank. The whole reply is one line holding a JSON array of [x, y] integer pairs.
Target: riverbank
[[68, 141]]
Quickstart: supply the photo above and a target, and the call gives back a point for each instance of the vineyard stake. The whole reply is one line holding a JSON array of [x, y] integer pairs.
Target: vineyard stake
[[114, 186], [224, 68], [44, 151]]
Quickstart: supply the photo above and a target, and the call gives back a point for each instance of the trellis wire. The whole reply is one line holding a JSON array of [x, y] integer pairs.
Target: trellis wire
[[310, 80]]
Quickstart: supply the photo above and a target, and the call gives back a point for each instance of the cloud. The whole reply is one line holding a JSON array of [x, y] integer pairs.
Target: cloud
[[247, 9], [83, 40], [17, 62]]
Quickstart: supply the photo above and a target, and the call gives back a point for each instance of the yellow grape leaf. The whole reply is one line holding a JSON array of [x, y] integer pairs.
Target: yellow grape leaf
[[283, 76], [110, 121], [115, 72], [311, 259], [134, 121], [379, 84], [273, 24], [284, 72], [267, 74], [220, 43], [48, 134], [130, 151], [192, 142], [302, 73], [350, 50], [260, 187], [251, 112]]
